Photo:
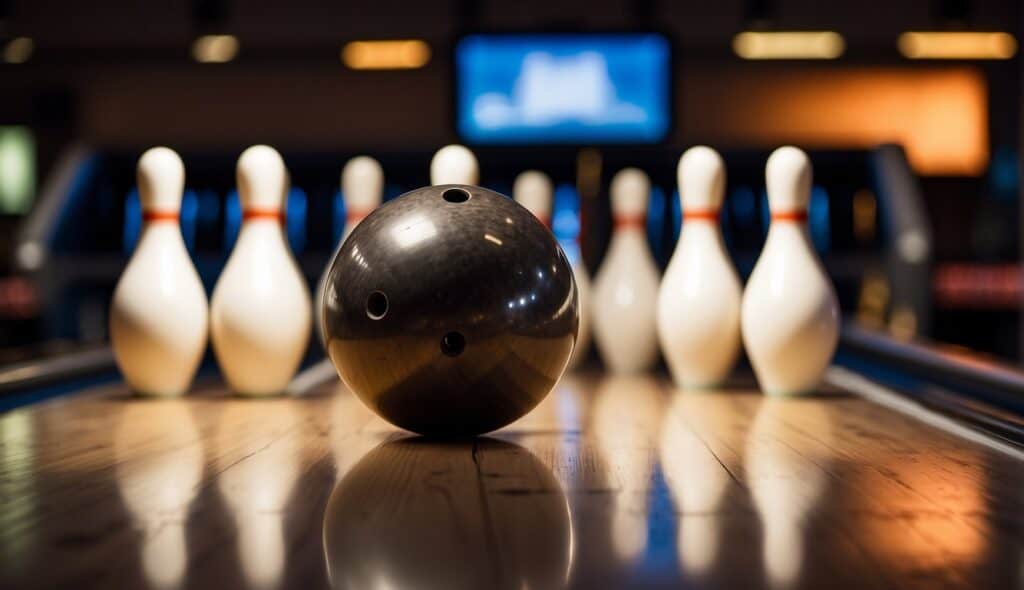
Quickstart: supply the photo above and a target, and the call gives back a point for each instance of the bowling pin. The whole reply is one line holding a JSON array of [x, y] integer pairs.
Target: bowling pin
[[789, 317], [699, 299], [159, 313], [261, 311], [362, 186], [626, 287], [533, 190], [454, 164]]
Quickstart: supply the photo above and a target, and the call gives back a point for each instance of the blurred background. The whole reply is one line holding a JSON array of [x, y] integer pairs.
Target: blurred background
[[910, 110]]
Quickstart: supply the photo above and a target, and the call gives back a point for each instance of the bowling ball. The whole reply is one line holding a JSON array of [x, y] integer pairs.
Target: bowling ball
[[450, 311]]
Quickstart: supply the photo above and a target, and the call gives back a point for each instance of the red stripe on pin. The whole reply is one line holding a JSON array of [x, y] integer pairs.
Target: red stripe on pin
[[705, 214], [275, 214], [798, 216], [150, 216], [630, 222]]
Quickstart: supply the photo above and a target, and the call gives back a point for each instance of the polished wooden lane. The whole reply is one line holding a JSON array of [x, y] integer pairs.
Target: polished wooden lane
[[611, 482]]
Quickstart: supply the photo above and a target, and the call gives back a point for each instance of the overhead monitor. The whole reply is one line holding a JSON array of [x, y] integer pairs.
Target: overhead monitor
[[563, 88]]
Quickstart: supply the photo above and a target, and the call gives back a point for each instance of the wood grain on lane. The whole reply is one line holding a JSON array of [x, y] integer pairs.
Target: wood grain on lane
[[610, 482]]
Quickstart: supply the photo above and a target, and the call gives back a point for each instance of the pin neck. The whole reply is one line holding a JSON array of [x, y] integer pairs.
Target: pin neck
[[792, 216], [701, 214], [356, 216], [628, 222], [154, 216], [257, 213], [545, 220]]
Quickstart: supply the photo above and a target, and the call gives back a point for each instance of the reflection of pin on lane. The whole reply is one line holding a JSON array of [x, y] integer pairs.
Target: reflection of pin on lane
[[19, 453], [257, 475], [159, 486], [626, 420], [420, 513], [560, 411], [454, 164], [786, 469], [696, 478], [353, 433]]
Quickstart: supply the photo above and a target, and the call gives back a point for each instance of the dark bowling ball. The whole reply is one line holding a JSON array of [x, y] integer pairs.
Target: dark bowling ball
[[450, 311]]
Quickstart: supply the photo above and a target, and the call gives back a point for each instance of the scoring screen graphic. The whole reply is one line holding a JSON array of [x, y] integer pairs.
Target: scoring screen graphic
[[563, 88]]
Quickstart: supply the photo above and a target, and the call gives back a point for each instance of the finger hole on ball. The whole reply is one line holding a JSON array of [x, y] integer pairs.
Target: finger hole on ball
[[453, 343], [376, 305], [455, 195]]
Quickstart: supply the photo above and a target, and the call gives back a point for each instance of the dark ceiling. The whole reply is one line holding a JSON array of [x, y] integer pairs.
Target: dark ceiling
[[308, 23]]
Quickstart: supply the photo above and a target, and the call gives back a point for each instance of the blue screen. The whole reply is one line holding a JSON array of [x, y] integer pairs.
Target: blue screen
[[563, 88]]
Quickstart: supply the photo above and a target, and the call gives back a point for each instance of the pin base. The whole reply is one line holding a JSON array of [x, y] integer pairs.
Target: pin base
[[699, 386], [790, 392], [257, 395], [157, 394]]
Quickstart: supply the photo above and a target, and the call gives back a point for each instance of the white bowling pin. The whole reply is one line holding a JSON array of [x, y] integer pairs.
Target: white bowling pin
[[533, 190], [626, 286], [362, 186], [454, 164], [583, 292], [699, 299], [261, 311], [159, 314], [790, 317]]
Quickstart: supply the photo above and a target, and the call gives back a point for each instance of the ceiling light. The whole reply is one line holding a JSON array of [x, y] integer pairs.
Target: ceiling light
[[18, 50], [215, 49], [404, 54], [957, 45], [788, 45]]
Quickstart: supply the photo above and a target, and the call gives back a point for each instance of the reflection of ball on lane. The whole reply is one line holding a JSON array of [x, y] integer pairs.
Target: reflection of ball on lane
[[422, 513], [450, 311]]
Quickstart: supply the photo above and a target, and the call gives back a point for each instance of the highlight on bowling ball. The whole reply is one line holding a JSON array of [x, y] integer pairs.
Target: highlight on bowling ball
[[450, 311]]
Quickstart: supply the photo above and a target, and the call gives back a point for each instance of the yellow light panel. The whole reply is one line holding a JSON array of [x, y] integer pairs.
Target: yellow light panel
[[957, 45], [401, 54], [215, 49], [789, 45]]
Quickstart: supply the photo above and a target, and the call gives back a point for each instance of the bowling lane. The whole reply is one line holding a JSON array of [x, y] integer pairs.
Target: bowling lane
[[611, 481]]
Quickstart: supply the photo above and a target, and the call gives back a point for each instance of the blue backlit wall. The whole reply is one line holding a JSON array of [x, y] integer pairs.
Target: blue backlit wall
[[563, 88], [565, 220]]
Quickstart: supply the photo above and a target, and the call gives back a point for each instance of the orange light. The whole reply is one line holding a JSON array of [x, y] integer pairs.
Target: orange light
[[940, 116], [403, 54], [957, 45]]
